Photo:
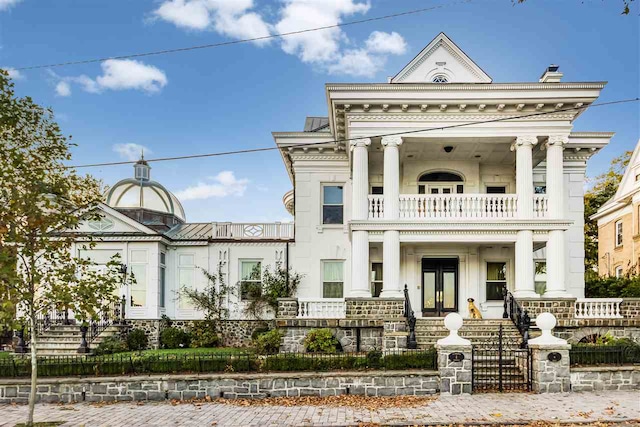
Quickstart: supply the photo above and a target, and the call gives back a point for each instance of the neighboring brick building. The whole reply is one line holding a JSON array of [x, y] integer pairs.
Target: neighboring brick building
[[619, 225]]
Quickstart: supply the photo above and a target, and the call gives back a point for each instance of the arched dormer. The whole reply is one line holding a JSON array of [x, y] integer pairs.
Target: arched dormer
[[440, 182]]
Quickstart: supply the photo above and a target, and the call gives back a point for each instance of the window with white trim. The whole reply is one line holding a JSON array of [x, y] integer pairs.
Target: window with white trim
[[250, 279], [618, 233], [186, 278], [138, 287], [332, 204], [332, 279], [496, 280], [618, 271], [376, 279], [162, 279]]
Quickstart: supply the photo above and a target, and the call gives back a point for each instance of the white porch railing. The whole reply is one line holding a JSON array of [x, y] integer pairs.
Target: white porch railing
[[463, 206], [540, 205], [327, 308], [598, 308], [243, 231]]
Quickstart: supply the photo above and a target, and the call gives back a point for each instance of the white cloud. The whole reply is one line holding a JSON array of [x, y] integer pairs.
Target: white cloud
[[117, 74], [225, 184], [6, 4], [328, 50], [13, 73], [63, 88], [381, 42], [131, 151], [231, 18]]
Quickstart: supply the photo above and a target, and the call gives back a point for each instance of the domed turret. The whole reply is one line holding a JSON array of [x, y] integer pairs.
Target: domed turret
[[146, 201]]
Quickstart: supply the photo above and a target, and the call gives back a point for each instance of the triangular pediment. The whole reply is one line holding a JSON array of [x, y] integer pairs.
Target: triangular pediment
[[629, 183], [441, 59], [113, 222]]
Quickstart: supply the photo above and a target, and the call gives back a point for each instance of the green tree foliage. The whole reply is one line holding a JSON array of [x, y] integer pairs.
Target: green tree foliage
[[42, 204], [603, 188], [612, 287], [276, 283], [321, 341]]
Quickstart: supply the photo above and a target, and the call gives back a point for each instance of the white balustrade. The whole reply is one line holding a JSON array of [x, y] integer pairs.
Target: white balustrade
[[325, 308], [463, 206], [376, 206], [598, 308], [244, 231], [540, 205]]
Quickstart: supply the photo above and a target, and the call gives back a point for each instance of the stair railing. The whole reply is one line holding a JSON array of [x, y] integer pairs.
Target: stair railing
[[518, 315], [409, 314], [53, 316], [111, 314]]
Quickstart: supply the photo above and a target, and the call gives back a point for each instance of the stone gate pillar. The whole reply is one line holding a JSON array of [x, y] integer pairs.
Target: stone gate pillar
[[454, 358], [550, 359]]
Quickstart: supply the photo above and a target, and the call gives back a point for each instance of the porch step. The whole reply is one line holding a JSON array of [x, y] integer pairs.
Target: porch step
[[430, 330], [65, 339]]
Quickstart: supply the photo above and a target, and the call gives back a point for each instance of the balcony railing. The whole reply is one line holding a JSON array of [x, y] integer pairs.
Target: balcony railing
[[253, 230], [598, 308], [459, 206], [327, 308]]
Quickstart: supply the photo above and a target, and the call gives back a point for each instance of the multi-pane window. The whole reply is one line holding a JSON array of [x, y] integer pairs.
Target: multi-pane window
[[496, 280], [250, 279], [619, 271], [332, 279], [332, 204], [376, 278], [540, 278], [186, 278], [619, 233], [163, 277], [138, 292]]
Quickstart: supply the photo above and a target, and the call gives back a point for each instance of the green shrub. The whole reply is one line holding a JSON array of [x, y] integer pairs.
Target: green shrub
[[374, 359], [321, 341], [137, 340], [411, 360], [174, 338], [110, 345], [259, 331], [203, 335], [268, 342]]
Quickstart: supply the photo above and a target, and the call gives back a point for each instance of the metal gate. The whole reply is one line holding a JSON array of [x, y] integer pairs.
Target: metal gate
[[500, 364]]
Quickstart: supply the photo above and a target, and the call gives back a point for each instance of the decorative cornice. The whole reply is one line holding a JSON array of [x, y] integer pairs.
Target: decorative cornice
[[392, 141], [591, 134], [400, 117], [451, 225], [406, 87]]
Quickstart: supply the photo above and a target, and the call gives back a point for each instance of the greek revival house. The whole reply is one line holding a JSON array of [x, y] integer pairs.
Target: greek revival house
[[397, 185]]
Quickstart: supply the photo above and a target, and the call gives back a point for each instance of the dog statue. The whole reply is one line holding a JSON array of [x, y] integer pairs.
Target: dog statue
[[474, 313]]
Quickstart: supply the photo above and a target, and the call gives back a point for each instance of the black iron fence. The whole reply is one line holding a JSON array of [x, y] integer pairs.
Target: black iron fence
[[519, 316], [134, 364], [589, 355]]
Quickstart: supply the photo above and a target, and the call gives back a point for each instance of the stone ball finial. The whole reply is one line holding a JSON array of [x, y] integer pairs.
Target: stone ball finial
[[453, 322], [546, 322]]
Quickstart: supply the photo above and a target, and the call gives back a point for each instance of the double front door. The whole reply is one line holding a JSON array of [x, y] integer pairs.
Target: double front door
[[439, 286]]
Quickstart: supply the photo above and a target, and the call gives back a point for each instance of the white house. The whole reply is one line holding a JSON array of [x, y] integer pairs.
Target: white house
[[395, 186]]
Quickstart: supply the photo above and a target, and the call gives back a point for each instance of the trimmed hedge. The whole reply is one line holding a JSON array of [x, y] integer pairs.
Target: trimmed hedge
[[131, 364]]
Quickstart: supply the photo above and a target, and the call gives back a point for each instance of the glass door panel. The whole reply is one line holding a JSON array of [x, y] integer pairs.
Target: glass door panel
[[429, 290], [439, 286], [448, 290]]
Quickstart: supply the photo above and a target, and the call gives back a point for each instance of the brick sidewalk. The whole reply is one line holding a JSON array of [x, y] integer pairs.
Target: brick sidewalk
[[479, 408]]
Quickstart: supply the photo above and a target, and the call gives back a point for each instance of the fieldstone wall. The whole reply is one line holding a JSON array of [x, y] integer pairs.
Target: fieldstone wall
[[235, 333], [455, 376], [287, 308], [550, 376], [230, 386], [600, 378], [395, 335], [561, 308], [374, 308], [630, 308], [347, 332], [574, 334]]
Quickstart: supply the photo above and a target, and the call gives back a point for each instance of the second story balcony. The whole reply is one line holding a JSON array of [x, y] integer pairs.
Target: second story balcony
[[457, 206]]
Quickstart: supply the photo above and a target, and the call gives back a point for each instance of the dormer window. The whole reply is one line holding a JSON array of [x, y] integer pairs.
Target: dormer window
[[439, 78]]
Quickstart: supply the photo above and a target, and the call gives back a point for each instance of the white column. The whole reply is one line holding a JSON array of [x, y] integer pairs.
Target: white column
[[360, 208], [556, 256], [524, 174], [391, 244], [524, 286]]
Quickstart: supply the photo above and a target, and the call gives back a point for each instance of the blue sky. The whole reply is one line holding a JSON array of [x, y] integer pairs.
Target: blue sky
[[234, 97]]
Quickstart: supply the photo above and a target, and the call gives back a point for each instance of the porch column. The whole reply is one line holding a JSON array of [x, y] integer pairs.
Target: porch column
[[360, 209], [524, 286], [555, 193], [391, 243]]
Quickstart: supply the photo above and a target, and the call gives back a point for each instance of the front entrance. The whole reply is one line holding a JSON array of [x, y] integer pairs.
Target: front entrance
[[439, 286]]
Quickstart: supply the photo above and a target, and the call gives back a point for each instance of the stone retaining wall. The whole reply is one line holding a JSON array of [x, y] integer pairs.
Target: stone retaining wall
[[231, 386], [630, 308], [561, 308], [345, 330], [234, 333], [574, 334], [599, 378], [374, 308]]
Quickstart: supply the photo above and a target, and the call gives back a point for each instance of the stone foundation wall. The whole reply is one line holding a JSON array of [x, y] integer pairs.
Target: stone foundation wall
[[561, 308], [550, 376], [576, 333], [235, 333], [346, 332], [287, 308], [374, 308], [630, 308], [185, 387], [605, 378]]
